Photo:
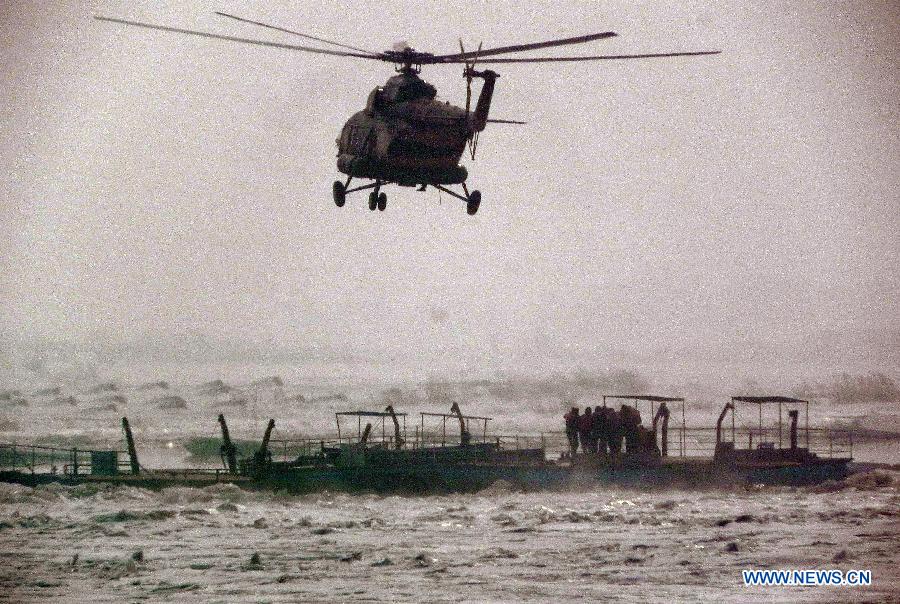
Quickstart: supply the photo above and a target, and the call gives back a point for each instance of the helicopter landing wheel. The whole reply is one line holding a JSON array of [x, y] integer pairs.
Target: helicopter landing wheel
[[382, 202], [473, 202], [340, 193], [373, 200]]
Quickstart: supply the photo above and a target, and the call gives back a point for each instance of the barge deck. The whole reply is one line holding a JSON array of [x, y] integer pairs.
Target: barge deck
[[439, 460]]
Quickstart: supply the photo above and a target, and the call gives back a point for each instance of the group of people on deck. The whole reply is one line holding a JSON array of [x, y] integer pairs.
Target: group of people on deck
[[602, 431]]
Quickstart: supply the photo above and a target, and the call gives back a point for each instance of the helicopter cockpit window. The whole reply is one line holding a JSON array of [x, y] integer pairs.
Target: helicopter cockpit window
[[375, 101]]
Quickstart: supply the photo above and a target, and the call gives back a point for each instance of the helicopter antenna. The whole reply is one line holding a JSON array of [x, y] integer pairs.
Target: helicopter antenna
[[295, 33]]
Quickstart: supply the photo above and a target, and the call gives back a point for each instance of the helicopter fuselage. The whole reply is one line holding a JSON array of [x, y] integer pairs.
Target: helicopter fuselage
[[406, 136]]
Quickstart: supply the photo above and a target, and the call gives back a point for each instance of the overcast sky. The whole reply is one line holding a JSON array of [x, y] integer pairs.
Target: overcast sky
[[154, 185]]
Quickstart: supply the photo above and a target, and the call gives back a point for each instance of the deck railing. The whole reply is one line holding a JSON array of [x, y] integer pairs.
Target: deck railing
[[54, 460], [701, 442], [291, 449]]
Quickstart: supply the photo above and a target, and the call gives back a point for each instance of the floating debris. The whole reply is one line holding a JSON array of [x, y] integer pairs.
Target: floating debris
[[255, 562], [424, 559]]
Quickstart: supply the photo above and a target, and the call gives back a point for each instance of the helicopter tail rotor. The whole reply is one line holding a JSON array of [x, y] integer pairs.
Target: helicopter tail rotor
[[469, 73]]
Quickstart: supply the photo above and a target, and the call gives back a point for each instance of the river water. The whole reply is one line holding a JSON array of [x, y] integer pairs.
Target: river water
[[114, 544]]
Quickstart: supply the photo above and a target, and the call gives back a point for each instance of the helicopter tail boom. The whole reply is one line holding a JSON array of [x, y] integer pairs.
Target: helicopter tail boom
[[479, 118]]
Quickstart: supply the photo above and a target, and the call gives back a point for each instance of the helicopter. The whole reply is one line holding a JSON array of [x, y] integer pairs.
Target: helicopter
[[404, 135]]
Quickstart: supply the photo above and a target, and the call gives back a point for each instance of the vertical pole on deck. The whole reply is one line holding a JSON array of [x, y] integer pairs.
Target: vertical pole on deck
[[779, 424], [132, 450], [444, 433], [733, 437], [807, 425], [760, 423], [75, 461], [683, 430]]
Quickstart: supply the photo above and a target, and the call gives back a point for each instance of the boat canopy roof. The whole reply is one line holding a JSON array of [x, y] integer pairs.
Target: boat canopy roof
[[369, 413], [453, 415], [759, 400], [645, 397]]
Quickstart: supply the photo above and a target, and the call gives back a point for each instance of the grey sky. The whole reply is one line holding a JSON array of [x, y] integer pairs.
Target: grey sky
[[156, 184]]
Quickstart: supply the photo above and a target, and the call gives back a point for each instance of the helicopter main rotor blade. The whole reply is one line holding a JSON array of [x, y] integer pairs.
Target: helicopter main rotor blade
[[596, 58], [499, 121], [520, 47], [296, 33], [204, 34]]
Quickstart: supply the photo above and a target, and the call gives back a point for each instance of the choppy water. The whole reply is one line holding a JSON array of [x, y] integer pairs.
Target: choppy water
[[80, 544]]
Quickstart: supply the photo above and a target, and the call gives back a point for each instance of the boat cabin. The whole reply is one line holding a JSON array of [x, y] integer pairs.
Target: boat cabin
[[772, 439]]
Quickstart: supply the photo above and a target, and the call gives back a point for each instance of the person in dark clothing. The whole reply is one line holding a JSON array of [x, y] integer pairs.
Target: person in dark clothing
[[600, 429], [572, 429], [585, 430], [631, 428]]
